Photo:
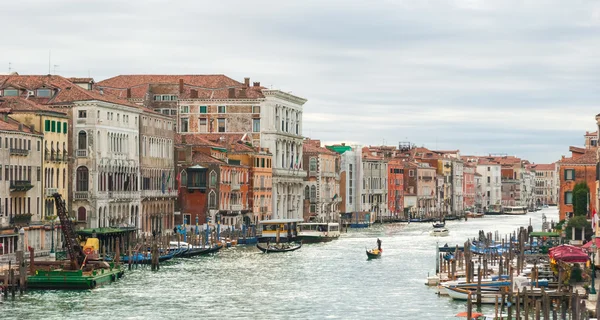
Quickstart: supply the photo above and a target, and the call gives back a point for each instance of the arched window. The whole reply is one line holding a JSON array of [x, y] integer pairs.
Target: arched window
[[312, 166], [313, 193], [183, 178], [307, 192], [212, 200], [213, 179], [82, 179], [81, 214], [82, 140]]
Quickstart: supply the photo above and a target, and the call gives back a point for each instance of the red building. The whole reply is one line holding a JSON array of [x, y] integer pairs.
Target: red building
[[396, 187], [469, 191]]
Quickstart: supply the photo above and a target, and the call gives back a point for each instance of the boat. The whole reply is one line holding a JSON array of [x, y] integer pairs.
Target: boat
[[374, 253], [493, 209], [192, 250], [439, 232], [474, 214], [545, 206], [74, 279], [439, 224], [312, 232], [515, 210], [488, 296], [281, 247], [279, 230]]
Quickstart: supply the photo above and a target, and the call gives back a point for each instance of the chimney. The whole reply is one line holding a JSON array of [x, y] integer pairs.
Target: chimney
[[194, 94], [20, 127], [180, 85], [128, 93], [256, 84], [231, 94], [246, 82]]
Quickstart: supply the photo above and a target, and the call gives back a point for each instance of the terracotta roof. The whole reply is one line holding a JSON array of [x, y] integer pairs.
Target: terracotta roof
[[201, 158], [81, 80], [589, 157], [20, 104], [212, 81], [314, 146], [591, 134], [543, 167], [577, 150], [485, 161], [13, 125], [66, 91], [195, 139]]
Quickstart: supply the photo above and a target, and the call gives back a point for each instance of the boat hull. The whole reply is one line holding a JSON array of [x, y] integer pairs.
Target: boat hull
[[277, 250], [316, 239], [373, 255], [486, 298], [73, 280]]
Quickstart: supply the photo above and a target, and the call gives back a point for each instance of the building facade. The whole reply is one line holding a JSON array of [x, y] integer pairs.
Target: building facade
[[157, 171], [491, 183], [396, 187], [322, 185], [351, 177], [580, 167], [469, 186], [546, 184], [374, 195]]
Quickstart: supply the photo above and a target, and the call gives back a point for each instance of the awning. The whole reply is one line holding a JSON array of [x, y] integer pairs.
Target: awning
[[588, 245], [568, 253]]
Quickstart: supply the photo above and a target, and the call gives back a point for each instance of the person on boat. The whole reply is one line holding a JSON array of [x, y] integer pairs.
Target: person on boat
[[378, 244]]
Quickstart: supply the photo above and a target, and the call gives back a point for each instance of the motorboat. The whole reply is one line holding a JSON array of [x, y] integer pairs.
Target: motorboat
[[311, 232], [515, 210], [439, 232]]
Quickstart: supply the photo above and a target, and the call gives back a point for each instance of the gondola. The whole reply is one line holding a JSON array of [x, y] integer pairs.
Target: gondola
[[440, 224], [374, 253], [286, 248], [201, 251]]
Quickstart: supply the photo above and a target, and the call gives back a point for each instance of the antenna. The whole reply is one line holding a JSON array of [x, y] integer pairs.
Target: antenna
[[9, 67], [49, 59]]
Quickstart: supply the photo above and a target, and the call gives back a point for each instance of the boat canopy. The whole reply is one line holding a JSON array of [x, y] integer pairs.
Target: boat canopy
[[277, 221], [539, 234], [105, 231]]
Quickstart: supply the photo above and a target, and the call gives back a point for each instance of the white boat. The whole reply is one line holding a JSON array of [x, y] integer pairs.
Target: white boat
[[515, 210], [487, 297], [439, 232], [311, 232]]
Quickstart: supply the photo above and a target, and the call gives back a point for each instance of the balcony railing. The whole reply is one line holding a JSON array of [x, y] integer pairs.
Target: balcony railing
[[81, 195], [236, 207], [20, 185], [19, 152], [81, 153], [264, 209], [51, 191], [235, 186]]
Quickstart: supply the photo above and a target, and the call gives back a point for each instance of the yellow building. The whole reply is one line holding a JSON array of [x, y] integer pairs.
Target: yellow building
[[55, 156]]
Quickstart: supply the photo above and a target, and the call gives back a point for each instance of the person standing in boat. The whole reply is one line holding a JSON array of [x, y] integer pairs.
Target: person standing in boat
[[378, 244]]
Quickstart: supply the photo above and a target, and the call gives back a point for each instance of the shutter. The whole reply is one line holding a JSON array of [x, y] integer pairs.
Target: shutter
[[47, 125], [64, 127], [565, 197], [565, 173]]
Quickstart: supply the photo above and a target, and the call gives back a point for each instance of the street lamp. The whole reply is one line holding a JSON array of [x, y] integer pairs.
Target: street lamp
[[52, 235], [593, 289]]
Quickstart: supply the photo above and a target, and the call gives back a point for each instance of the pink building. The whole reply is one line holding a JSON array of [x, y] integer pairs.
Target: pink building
[[469, 191]]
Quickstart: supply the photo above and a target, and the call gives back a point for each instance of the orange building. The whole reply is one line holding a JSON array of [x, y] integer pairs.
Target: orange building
[[580, 167], [396, 187]]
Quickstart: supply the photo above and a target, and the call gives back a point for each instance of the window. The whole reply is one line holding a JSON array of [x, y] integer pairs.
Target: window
[[173, 98], [64, 127], [203, 109], [183, 178], [44, 93], [569, 174], [313, 193], [221, 109], [47, 125], [82, 179], [221, 124], [53, 126], [81, 214], [58, 127], [312, 165], [39, 174], [11, 92], [82, 114], [82, 140], [184, 125], [307, 192], [313, 208], [255, 125], [202, 125], [255, 109], [411, 173], [184, 109], [173, 112], [569, 197], [157, 97], [213, 179], [489, 179], [166, 98], [212, 200]]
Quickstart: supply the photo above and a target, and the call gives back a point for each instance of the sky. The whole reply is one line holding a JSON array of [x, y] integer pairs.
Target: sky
[[500, 77]]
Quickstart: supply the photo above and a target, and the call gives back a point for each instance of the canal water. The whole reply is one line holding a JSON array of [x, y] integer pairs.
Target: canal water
[[320, 281]]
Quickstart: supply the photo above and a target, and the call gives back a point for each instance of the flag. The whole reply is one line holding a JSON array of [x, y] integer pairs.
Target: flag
[[334, 197], [594, 220], [169, 179]]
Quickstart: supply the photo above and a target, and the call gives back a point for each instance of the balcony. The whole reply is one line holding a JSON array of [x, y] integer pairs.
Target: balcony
[[20, 185], [81, 195], [235, 186], [51, 191], [264, 209], [81, 153], [236, 207], [289, 173], [18, 152]]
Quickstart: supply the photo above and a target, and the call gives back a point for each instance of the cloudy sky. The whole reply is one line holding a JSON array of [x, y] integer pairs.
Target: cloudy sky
[[513, 77]]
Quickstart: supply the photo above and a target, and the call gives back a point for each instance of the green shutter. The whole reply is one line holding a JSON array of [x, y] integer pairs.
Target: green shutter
[[53, 129], [47, 125], [64, 127], [565, 173], [202, 109], [58, 128]]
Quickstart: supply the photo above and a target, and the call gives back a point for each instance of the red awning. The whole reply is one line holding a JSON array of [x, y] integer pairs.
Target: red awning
[[568, 253], [588, 245]]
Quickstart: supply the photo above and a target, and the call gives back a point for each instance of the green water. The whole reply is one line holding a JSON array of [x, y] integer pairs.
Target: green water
[[320, 281]]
